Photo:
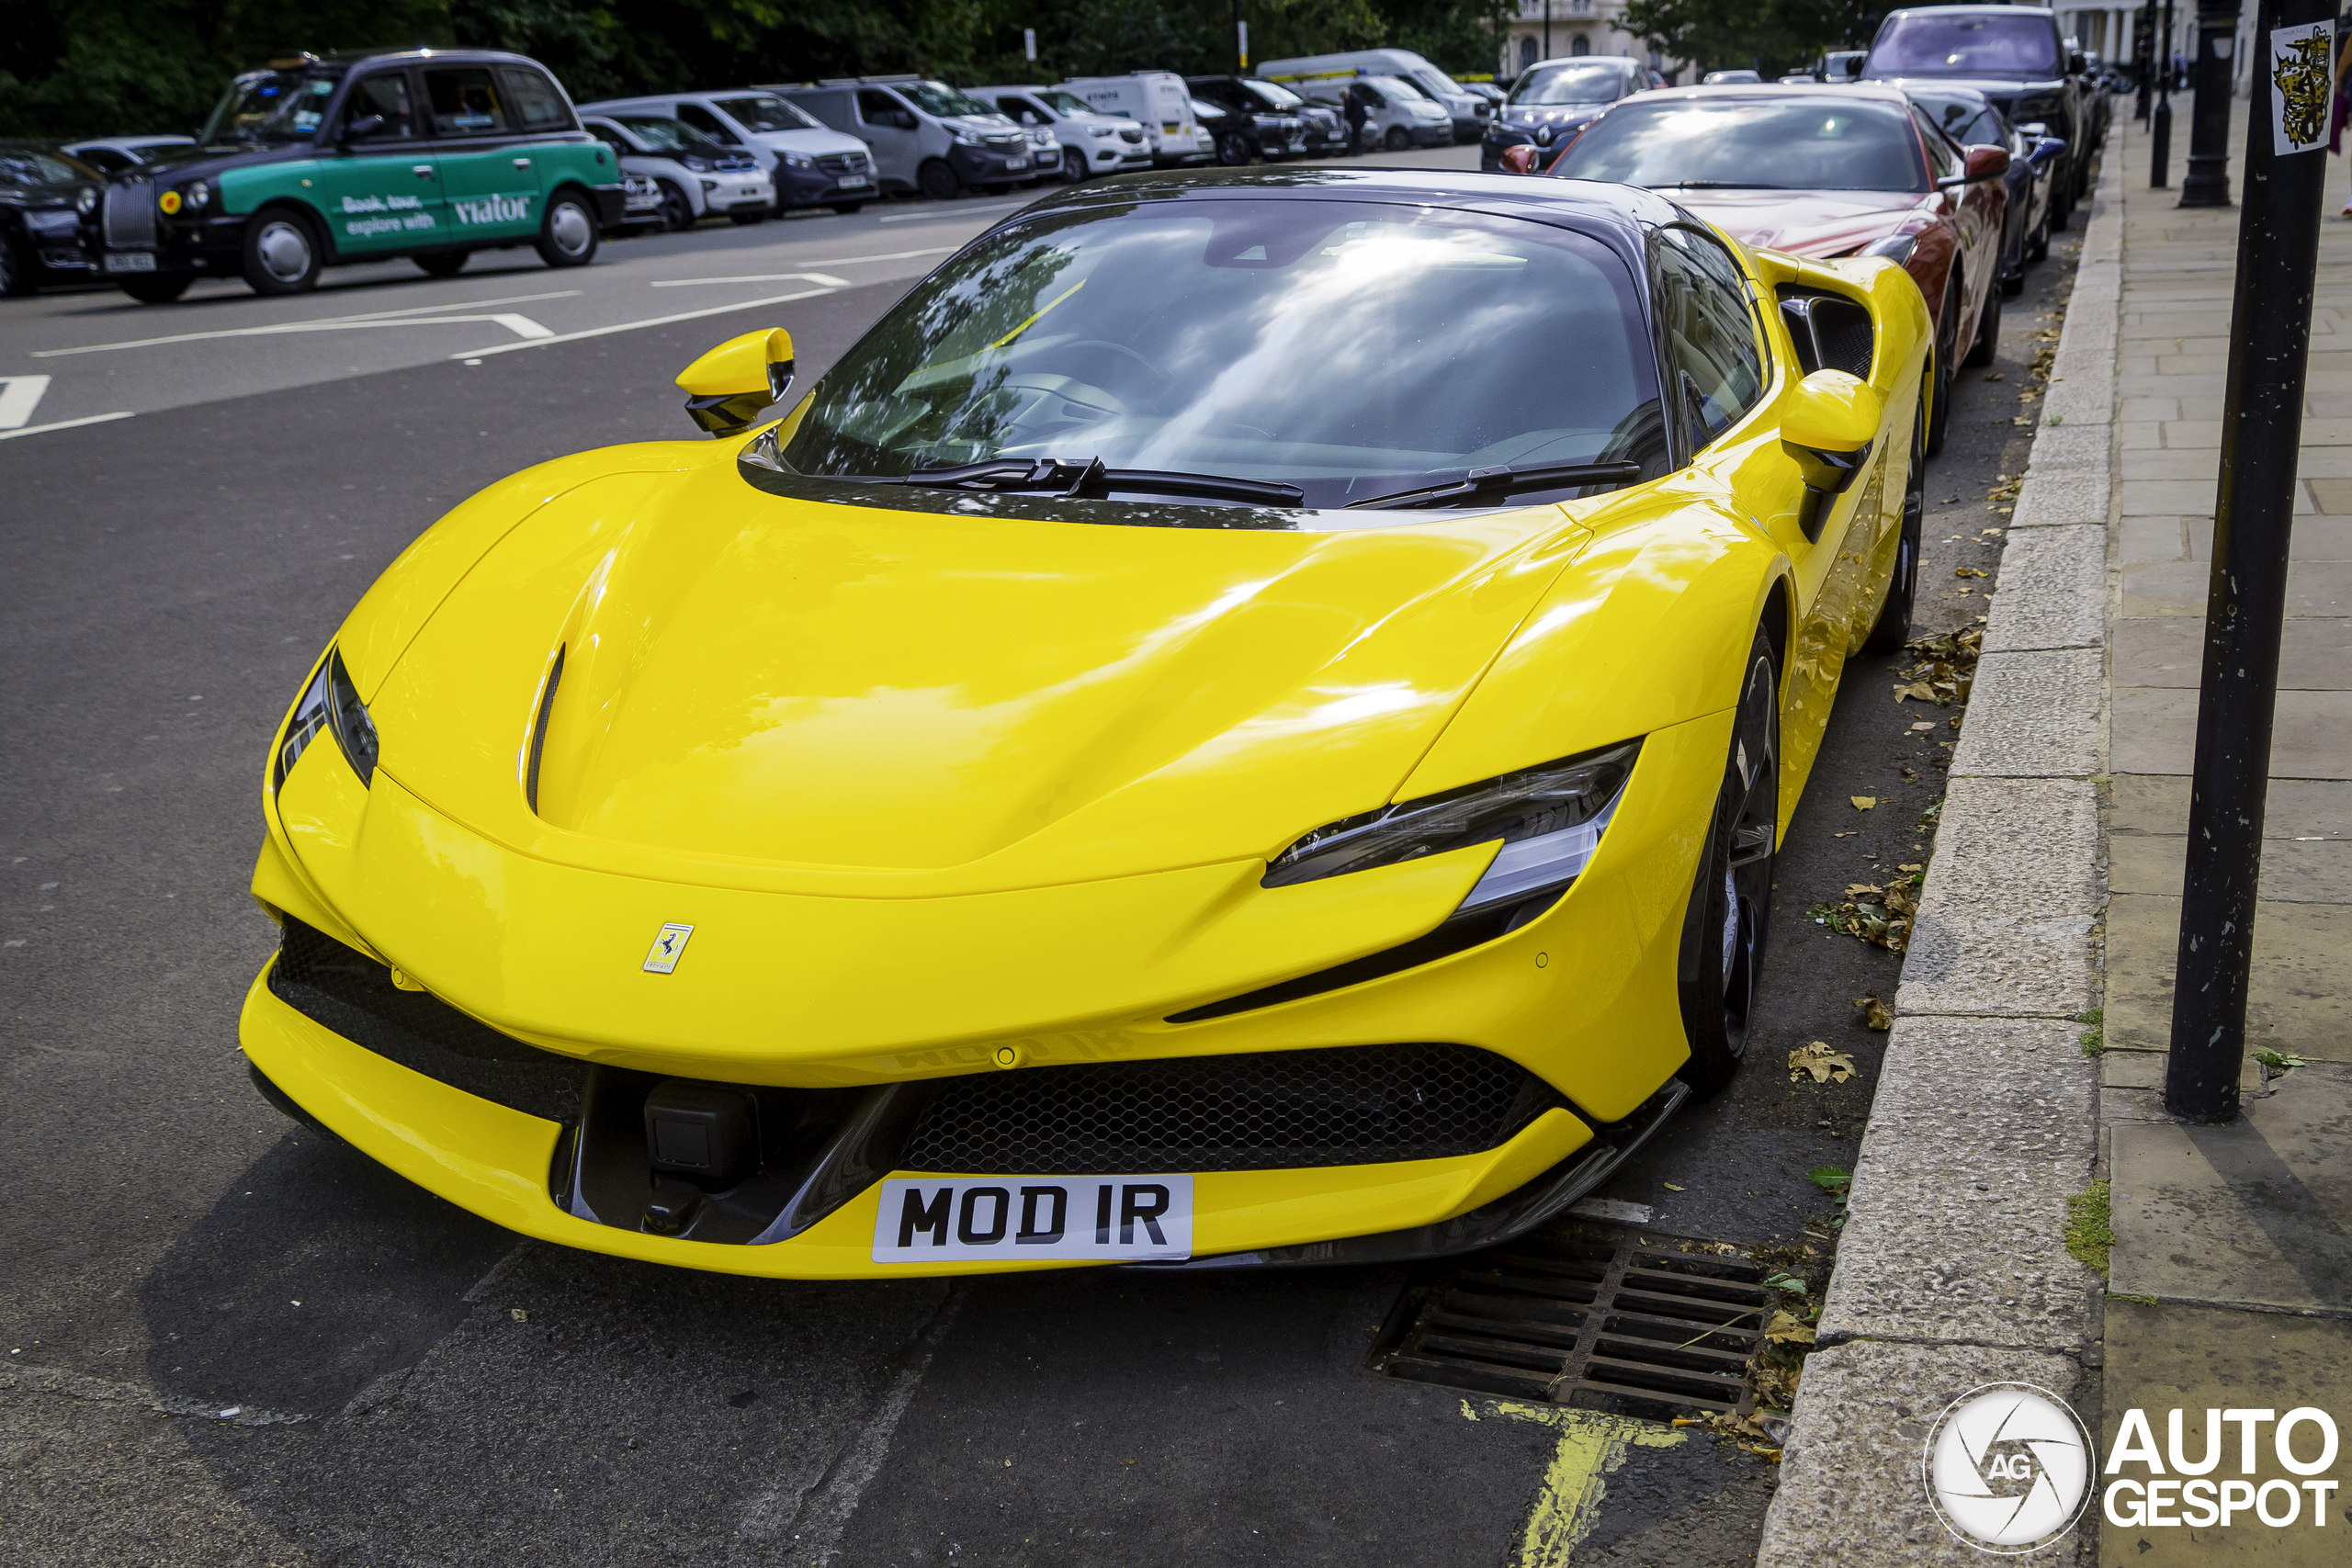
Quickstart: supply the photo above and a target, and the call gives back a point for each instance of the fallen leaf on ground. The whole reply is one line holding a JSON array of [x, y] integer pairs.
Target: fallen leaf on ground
[[1787, 1328], [1925, 724], [1822, 1064], [1875, 1013], [1969, 571], [1863, 802], [1854, 888], [1918, 689], [1670, 1186]]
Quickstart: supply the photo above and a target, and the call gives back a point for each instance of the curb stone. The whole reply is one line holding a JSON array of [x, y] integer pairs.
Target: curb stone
[[1953, 1271]]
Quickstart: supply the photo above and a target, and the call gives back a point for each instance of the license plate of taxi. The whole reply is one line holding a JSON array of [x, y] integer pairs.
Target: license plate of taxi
[[130, 260], [1013, 1219]]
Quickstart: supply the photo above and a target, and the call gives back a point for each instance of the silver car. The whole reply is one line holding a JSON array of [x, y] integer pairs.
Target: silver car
[[1083, 141], [695, 176]]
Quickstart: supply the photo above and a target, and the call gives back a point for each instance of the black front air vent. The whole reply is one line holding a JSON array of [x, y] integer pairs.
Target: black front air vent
[[1264, 1111], [539, 731], [1832, 332]]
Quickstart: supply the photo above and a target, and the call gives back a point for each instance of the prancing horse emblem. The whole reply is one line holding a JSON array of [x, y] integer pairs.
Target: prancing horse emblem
[[667, 948]]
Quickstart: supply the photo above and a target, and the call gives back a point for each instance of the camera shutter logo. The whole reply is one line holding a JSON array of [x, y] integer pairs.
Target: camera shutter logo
[[2008, 1467]]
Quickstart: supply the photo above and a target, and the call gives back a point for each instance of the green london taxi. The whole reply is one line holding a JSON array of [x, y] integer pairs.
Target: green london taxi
[[428, 154]]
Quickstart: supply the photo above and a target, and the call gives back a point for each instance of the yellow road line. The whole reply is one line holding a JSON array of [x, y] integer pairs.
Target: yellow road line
[[1592, 1446]]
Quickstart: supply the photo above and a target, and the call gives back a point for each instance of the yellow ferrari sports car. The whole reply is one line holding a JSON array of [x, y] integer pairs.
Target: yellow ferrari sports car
[[1247, 721]]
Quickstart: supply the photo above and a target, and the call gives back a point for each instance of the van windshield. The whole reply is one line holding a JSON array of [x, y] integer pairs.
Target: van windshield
[[670, 136], [1351, 349], [1272, 93], [1064, 103], [1594, 83], [1969, 44], [765, 114], [939, 98]]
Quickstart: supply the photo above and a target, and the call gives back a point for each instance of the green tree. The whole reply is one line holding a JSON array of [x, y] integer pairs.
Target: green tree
[[1772, 36]]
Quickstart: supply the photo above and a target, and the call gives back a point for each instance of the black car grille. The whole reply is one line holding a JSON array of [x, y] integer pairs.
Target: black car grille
[[842, 162], [1006, 143], [129, 212], [353, 994], [1830, 331], [1272, 1110]]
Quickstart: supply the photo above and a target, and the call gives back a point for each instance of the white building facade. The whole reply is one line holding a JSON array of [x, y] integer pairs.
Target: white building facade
[[1558, 30]]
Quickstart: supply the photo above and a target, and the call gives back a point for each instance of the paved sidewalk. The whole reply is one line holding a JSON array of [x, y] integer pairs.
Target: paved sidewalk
[[2233, 1239]]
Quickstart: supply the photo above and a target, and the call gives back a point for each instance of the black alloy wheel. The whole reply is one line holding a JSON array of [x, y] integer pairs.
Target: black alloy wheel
[[1988, 330], [1233, 149], [157, 288], [2037, 245], [282, 255], [677, 208], [1947, 355], [442, 263], [1893, 628], [1719, 975], [568, 234], [18, 278], [1073, 164], [938, 181]]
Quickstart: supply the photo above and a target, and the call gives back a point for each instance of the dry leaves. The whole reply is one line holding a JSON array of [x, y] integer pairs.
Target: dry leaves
[[1863, 802], [1820, 1062], [1969, 571], [1873, 1011], [1788, 1329]]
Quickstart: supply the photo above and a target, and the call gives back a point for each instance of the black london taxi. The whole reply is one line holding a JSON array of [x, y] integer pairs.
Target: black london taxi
[[313, 162]]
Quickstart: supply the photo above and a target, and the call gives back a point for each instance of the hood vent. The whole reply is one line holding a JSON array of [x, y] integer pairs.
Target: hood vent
[[539, 731]]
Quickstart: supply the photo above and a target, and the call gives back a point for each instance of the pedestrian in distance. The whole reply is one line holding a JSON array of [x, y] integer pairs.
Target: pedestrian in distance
[[1357, 114]]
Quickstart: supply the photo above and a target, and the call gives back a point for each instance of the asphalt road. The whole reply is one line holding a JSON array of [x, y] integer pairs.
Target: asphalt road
[[228, 1342]]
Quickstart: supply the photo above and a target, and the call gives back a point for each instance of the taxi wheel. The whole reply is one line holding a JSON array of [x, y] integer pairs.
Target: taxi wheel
[[442, 263], [156, 288], [282, 254], [1719, 975], [677, 210], [938, 181], [568, 234]]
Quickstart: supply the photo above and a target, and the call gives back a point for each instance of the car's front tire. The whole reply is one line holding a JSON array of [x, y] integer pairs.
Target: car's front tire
[[1398, 138], [17, 277], [677, 208], [568, 235], [282, 254], [442, 263], [1947, 355], [938, 181], [157, 288], [1723, 931], [1233, 149], [1988, 329]]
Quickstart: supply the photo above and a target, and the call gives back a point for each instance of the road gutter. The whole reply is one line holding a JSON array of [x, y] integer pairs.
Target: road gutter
[[1953, 1271]]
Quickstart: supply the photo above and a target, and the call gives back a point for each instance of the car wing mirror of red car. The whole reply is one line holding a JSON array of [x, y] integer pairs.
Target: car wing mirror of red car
[[1519, 160], [729, 389], [1983, 163]]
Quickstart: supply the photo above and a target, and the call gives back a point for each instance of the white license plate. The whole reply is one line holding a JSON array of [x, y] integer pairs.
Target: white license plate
[[1017, 163], [973, 1219], [130, 260], [855, 180]]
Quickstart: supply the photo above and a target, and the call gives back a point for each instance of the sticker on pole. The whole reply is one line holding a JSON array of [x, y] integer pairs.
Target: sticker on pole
[[2302, 86]]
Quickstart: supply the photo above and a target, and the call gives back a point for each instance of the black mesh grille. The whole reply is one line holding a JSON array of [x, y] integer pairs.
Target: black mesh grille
[[353, 995], [128, 217], [1274, 1110], [842, 162], [1831, 332]]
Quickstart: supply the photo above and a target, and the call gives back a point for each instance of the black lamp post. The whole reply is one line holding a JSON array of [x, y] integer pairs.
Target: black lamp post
[[2143, 59], [2160, 124], [2206, 182]]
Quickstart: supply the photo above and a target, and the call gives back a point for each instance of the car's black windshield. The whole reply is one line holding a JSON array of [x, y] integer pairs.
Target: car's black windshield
[[22, 166], [1813, 142], [271, 107], [1594, 83], [1966, 45], [664, 135], [1349, 349]]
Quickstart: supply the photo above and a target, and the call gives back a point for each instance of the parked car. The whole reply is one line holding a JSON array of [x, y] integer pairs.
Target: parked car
[[1397, 115], [694, 176], [923, 135], [1818, 171], [1835, 65], [1321, 713], [1492, 95], [808, 164], [1465, 111], [1553, 99], [1327, 132], [43, 193], [1085, 142], [112, 154], [1245, 124], [1729, 78], [2013, 54], [1969, 118], [313, 163], [1160, 103], [1257, 119], [642, 204]]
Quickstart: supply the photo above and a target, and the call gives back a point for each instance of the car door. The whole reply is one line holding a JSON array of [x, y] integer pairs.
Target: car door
[[890, 128], [488, 176], [1976, 213], [543, 125], [379, 187]]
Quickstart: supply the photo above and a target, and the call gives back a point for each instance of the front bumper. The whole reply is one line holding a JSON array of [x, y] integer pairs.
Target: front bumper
[[986, 165], [814, 188]]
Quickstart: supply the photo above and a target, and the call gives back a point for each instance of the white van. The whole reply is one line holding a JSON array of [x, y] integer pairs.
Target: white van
[[1160, 103], [924, 135], [810, 165], [1467, 110], [1087, 143], [1396, 114]]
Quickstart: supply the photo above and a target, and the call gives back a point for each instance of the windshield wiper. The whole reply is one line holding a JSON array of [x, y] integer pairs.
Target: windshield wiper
[[1090, 480], [1498, 483]]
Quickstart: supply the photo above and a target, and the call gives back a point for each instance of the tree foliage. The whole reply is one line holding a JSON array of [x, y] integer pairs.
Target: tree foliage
[[1770, 36], [72, 68]]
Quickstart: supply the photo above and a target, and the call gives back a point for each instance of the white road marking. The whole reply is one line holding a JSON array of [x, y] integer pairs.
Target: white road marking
[[634, 326], [824, 277], [951, 217], [63, 424], [19, 395], [830, 261], [322, 322]]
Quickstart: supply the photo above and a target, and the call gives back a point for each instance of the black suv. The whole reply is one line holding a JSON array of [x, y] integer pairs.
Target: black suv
[[42, 194], [1258, 122], [2015, 56]]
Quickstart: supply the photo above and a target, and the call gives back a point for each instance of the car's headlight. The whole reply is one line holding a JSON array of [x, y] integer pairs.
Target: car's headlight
[[1549, 819], [799, 161], [1896, 248], [968, 139], [698, 165], [199, 196], [1105, 130], [331, 703], [85, 200]]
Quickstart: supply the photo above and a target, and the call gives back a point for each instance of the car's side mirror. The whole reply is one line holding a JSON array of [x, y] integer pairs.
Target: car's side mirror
[[1986, 162], [729, 389], [361, 128], [1828, 424], [1518, 160]]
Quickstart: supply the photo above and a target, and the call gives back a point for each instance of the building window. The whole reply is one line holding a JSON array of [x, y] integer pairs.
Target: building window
[[1580, 45], [1526, 52]]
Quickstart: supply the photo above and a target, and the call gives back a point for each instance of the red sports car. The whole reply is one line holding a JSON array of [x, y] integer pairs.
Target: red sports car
[[1822, 171]]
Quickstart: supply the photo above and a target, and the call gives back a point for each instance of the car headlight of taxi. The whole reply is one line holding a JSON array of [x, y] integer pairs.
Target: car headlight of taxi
[[1549, 820], [331, 704], [1896, 248]]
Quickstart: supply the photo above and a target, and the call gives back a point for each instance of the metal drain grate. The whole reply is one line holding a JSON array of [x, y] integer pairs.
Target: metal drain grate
[[1594, 1315]]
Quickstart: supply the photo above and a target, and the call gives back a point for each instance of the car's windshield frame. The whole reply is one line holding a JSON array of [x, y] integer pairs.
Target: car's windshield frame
[[1910, 32], [934, 385], [1596, 139], [297, 86]]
